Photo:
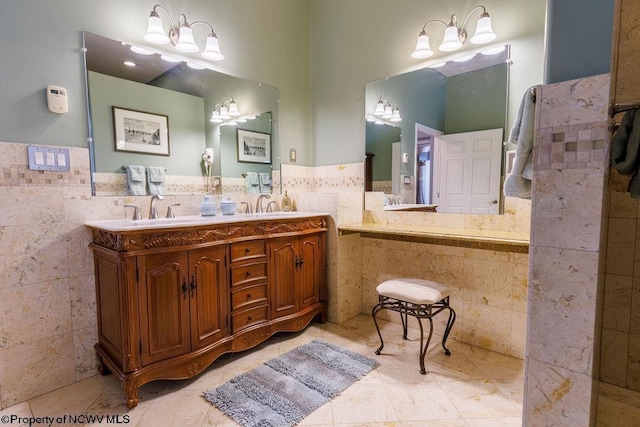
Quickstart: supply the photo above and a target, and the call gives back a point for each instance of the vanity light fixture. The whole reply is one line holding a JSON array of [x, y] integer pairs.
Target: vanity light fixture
[[455, 37], [226, 110], [141, 51], [181, 35], [385, 110]]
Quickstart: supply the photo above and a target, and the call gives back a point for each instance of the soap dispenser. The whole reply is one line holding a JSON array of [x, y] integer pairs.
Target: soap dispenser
[[287, 204], [208, 206]]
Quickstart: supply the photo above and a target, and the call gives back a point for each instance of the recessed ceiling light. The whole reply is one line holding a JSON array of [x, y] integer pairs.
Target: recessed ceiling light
[[129, 63]]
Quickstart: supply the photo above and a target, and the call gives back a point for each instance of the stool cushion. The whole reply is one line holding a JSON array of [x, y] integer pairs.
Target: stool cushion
[[415, 291]]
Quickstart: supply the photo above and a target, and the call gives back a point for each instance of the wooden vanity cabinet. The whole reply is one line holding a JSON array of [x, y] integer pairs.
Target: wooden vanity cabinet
[[170, 301]]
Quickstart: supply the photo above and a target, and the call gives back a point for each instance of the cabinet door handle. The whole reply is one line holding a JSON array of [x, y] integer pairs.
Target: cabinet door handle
[[193, 285], [185, 287], [297, 264], [300, 262]]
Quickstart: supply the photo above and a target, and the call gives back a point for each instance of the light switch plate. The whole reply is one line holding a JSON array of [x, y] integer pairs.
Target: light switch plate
[[48, 159]]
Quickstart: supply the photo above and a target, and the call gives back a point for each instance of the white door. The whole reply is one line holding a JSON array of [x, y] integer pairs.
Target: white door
[[469, 172]]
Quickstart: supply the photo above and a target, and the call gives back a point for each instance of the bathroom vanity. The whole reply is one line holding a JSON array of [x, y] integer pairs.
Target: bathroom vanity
[[174, 294]]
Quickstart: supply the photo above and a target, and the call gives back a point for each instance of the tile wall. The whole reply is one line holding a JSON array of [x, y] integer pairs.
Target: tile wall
[[570, 169]]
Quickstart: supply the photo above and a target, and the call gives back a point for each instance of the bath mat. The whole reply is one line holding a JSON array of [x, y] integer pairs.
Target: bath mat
[[285, 389]]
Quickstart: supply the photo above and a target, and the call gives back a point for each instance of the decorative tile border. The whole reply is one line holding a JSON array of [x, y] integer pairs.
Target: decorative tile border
[[575, 146]]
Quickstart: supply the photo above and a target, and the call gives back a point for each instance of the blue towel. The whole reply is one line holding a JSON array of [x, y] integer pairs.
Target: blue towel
[[253, 183], [265, 182], [518, 182], [156, 180], [136, 180]]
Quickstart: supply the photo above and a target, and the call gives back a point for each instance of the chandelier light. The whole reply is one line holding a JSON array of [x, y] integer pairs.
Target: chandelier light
[[454, 36], [181, 35]]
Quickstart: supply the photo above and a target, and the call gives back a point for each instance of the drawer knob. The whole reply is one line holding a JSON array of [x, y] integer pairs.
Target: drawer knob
[[247, 250], [248, 273], [248, 296], [249, 318]]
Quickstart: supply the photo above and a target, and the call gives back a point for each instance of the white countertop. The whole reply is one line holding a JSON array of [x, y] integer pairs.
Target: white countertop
[[194, 220]]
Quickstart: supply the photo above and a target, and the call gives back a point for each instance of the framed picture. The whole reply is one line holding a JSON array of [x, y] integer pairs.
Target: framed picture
[[254, 147], [140, 132]]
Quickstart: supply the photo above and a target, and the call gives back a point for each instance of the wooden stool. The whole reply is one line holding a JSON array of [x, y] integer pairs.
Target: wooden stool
[[421, 299]]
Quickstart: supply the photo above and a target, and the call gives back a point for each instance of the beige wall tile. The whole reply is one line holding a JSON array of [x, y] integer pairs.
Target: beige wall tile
[[614, 350], [616, 310]]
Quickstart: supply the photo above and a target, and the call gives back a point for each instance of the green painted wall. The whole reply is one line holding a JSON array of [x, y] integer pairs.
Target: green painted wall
[[229, 151], [186, 124], [379, 140]]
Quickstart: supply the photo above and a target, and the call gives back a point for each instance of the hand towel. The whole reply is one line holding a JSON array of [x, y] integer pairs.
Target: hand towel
[[625, 146], [136, 180], [156, 180], [265, 182], [518, 182], [252, 183]]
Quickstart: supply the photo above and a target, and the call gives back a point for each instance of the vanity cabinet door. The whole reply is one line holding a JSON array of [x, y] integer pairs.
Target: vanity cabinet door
[[311, 269], [297, 273], [283, 256], [208, 295], [164, 305], [183, 301]]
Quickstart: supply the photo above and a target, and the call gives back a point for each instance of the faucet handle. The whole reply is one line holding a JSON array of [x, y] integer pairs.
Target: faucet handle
[[136, 211], [248, 207], [170, 212]]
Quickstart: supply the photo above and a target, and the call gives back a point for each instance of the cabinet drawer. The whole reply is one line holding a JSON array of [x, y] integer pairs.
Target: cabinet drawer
[[250, 295], [247, 250], [252, 316], [245, 274]]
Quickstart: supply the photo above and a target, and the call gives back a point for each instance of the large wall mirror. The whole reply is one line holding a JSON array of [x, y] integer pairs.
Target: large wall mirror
[[128, 86], [439, 146]]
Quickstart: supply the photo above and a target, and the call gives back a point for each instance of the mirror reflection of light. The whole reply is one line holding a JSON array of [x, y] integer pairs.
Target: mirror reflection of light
[[438, 65], [129, 63], [464, 58], [169, 58], [141, 51], [494, 50], [195, 66]]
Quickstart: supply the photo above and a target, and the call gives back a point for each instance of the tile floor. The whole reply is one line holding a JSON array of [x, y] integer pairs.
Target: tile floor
[[472, 387]]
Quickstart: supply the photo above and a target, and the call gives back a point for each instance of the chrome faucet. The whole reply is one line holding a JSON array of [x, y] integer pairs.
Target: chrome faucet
[[259, 202], [153, 210]]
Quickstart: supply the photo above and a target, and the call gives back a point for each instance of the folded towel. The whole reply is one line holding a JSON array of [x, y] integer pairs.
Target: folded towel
[[265, 182], [518, 182], [625, 146], [156, 180], [136, 180], [253, 178], [252, 183]]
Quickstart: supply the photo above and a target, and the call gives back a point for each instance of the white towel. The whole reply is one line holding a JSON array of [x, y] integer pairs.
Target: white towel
[[518, 182], [156, 180], [136, 180]]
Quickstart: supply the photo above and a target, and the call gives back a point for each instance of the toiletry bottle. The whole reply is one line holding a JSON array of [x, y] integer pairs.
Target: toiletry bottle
[[208, 206], [287, 204]]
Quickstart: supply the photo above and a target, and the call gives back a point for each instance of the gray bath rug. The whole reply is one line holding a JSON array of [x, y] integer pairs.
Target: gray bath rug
[[284, 390]]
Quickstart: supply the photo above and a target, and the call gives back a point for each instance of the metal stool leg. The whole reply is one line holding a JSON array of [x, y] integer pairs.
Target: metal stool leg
[[374, 312], [452, 319], [405, 325], [424, 346]]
